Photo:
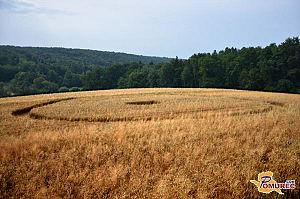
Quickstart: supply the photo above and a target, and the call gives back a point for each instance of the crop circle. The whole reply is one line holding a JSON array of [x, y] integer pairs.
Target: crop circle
[[155, 106]]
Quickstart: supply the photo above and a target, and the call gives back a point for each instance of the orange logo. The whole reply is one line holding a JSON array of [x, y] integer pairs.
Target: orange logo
[[266, 183]]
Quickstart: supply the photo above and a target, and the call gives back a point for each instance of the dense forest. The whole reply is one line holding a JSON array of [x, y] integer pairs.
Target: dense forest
[[26, 70]]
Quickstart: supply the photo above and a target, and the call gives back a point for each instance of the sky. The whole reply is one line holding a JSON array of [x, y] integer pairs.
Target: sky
[[166, 28]]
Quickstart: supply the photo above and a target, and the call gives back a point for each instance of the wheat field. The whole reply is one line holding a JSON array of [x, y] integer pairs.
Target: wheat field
[[148, 143]]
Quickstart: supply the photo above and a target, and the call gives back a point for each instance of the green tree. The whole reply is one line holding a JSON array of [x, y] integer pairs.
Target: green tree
[[22, 83], [136, 79], [166, 75], [94, 79], [41, 85], [285, 85], [71, 79], [187, 76]]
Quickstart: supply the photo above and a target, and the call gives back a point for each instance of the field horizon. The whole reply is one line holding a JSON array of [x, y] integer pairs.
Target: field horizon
[[148, 143]]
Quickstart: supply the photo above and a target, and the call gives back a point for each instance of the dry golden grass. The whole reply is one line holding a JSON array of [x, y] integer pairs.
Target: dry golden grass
[[188, 143]]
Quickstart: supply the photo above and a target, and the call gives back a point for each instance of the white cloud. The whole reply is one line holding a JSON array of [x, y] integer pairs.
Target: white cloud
[[23, 7]]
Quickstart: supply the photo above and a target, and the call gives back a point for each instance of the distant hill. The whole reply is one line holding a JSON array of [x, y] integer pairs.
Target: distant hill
[[72, 56], [30, 70]]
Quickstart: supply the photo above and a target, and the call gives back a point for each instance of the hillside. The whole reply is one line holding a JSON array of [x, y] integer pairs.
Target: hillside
[[54, 68], [69, 56]]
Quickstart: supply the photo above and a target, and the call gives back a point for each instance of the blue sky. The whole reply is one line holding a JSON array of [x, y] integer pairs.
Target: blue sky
[[149, 27]]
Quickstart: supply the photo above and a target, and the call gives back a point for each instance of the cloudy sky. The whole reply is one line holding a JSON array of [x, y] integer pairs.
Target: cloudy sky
[[149, 27]]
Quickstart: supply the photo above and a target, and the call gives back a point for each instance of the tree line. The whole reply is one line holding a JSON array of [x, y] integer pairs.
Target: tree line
[[38, 70]]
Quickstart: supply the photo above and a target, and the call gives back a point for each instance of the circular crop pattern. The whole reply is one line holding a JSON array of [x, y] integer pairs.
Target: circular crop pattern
[[151, 106]]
